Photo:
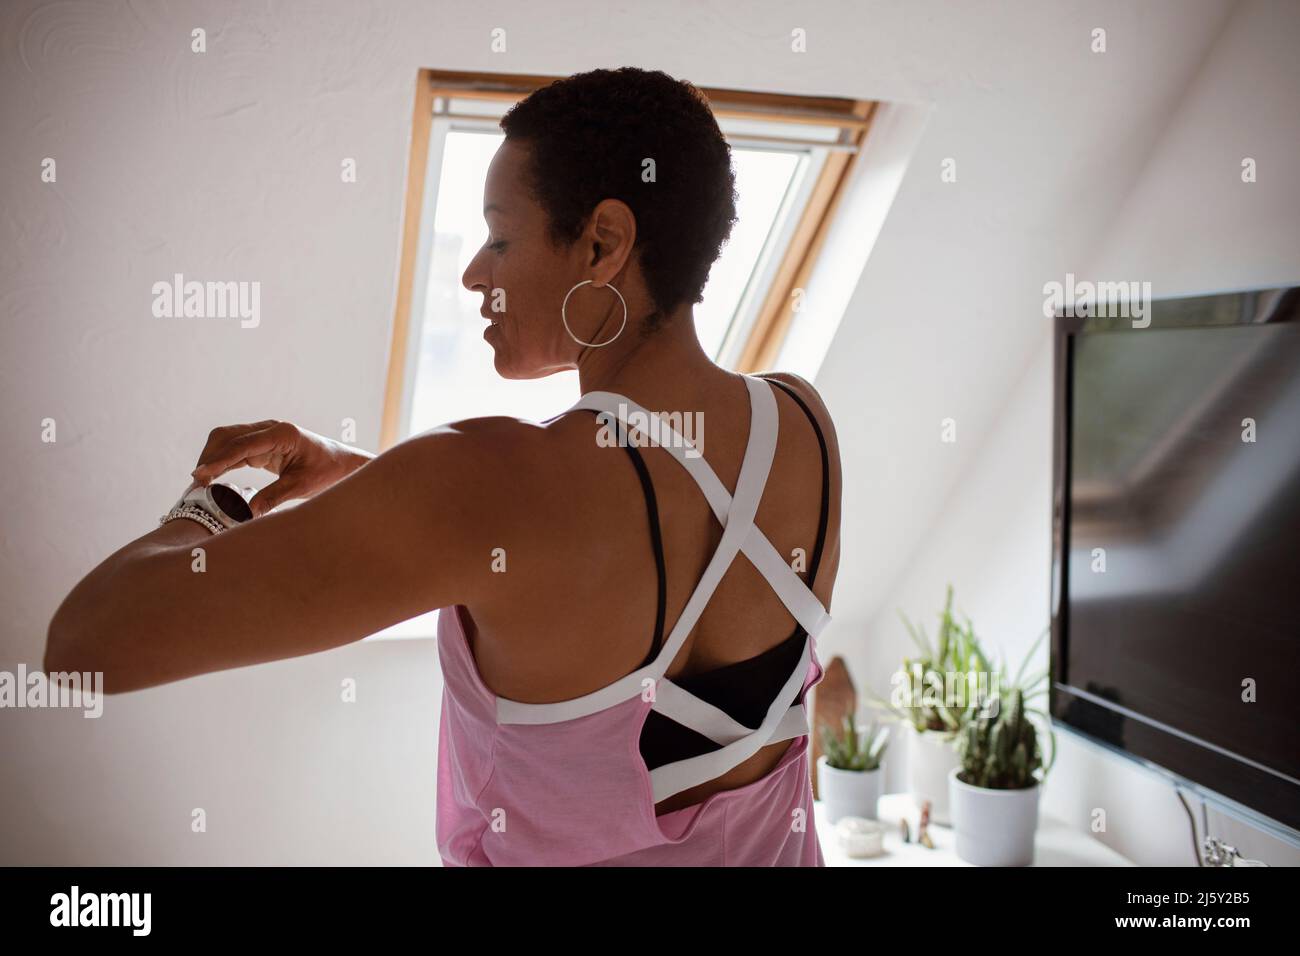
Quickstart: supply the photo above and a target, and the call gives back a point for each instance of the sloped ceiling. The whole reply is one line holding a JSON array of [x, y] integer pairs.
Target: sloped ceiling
[[1048, 138]]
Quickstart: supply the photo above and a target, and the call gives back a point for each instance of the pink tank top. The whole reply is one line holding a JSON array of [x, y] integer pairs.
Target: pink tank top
[[564, 783]]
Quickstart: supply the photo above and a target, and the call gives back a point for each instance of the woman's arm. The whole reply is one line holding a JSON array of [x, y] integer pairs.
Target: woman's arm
[[399, 537]]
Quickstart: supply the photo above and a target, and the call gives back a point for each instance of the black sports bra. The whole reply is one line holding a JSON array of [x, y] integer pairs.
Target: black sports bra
[[744, 689]]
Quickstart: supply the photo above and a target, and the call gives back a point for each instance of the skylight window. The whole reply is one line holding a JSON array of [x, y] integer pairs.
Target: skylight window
[[791, 157]]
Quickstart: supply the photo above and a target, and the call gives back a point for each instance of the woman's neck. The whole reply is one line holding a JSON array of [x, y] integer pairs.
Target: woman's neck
[[668, 361]]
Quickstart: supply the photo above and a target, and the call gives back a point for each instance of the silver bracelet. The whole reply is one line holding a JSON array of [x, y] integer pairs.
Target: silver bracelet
[[193, 513]]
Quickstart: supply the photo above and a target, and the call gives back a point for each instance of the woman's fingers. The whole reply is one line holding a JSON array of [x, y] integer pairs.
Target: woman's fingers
[[223, 433], [232, 447], [276, 493]]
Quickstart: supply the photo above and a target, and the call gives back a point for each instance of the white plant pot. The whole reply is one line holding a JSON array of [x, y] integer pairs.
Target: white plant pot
[[847, 793], [929, 762], [994, 827]]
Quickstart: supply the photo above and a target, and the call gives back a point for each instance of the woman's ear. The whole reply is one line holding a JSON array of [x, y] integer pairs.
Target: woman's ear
[[613, 234]]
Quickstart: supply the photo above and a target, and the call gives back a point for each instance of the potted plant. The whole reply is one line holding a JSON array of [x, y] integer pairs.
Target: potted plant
[[994, 791], [934, 697], [848, 771]]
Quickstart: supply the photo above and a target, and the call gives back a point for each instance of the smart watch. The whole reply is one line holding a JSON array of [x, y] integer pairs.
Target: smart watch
[[221, 501]]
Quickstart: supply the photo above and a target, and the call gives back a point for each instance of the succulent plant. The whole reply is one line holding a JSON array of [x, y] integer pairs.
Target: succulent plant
[[998, 746], [853, 749], [999, 751], [924, 698]]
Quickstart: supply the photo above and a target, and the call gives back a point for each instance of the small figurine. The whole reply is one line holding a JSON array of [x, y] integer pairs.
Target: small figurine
[[923, 829]]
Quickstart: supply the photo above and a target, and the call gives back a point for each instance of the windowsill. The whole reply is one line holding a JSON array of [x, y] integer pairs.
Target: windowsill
[[1055, 842]]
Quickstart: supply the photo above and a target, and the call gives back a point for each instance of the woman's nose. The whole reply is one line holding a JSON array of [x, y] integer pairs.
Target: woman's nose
[[472, 279]]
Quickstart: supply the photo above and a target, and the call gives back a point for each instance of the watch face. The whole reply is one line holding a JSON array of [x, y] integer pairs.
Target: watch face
[[231, 502]]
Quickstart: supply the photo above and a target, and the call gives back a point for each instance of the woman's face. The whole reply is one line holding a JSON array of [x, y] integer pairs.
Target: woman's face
[[523, 277]]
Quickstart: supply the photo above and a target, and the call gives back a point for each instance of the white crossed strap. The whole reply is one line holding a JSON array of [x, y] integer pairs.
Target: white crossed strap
[[740, 534], [794, 594], [782, 721]]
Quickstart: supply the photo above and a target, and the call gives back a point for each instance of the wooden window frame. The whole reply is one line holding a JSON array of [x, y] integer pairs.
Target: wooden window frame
[[764, 339]]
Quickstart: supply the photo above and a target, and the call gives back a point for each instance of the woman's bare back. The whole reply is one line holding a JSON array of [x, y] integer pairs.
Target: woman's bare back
[[581, 582]]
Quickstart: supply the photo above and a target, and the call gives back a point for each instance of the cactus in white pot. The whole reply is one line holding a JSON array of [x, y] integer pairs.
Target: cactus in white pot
[[848, 771], [994, 790]]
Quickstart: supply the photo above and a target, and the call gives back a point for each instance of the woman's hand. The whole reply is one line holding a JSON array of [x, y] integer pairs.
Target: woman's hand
[[305, 462]]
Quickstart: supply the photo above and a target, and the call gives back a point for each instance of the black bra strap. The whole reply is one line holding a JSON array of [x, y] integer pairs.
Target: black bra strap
[[824, 520], [656, 539], [652, 507]]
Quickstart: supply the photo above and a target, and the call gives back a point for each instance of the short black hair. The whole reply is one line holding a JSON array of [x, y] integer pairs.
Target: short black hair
[[589, 135]]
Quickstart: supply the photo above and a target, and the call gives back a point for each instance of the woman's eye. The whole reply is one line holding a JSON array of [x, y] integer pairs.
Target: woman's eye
[[497, 246]]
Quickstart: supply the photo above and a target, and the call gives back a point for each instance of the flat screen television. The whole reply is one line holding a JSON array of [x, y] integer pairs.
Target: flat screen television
[[1176, 544]]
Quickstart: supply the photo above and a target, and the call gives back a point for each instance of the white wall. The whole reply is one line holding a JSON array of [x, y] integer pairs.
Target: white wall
[[1186, 224], [1189, 223], [226, 165]]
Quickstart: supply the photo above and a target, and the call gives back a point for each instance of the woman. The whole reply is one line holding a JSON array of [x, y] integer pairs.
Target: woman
[[620, 686]]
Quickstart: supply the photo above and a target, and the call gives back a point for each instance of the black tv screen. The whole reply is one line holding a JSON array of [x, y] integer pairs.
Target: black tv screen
[[1177, 605]]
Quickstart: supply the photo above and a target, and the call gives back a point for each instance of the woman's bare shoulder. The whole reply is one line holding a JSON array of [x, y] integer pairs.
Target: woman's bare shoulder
[[532, 470], [812, 398]]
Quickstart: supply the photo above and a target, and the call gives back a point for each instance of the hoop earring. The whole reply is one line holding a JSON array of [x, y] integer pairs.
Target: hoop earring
[[565, 319]]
